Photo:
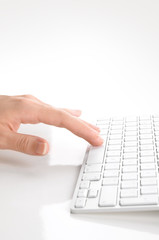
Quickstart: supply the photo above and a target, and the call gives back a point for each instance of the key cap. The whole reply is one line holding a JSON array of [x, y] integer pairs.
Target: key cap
[[145, 136], [144, 200], [129, 169], [130, 149], [130, 138], [147, 166], [146, 153], [146, 117], [148, 181], [108, 196], [149, 190], [113, 154], [128, 193], [115, 142], [146, 147], [114, 147], [115, 137], [130, 144], [131, 133], [147, 159], [116, 131], [130, 155], [93, 168], [92, 193], [80, 203], [148, 173], [112, 159], [84, 184], [146, 131], [91, 176], [129, 176], [146, 141], [96, 155], [148, 126], [82, 193], [129, 184], [145, 122], [110, 166], [110, 181], [129, 162], [110, 173]]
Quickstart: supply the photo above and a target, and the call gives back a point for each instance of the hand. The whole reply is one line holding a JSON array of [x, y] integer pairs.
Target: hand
[[15, 110]]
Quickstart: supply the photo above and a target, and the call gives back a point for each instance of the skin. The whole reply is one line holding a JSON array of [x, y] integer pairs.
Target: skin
[[23, 109]]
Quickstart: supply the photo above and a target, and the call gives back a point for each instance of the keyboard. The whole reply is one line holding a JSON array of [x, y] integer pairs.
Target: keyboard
[[123, 173]]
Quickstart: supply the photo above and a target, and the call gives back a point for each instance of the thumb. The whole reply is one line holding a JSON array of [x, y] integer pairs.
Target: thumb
[[26, 143]]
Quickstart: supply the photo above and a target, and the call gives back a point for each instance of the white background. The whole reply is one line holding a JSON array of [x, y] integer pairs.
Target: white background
[[98, 56]]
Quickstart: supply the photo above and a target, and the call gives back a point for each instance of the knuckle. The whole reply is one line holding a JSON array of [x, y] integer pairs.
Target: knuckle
[[28, 96], [22, 144]]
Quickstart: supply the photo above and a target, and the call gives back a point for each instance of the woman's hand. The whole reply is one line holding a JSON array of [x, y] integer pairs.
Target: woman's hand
[[15, 110]]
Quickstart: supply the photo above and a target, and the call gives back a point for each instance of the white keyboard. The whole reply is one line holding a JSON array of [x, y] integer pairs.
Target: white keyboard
[[123, 173]]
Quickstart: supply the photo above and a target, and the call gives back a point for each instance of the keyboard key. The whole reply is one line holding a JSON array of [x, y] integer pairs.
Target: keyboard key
[[82, 193], [146, 147], [130, 144], [130, 133], [146, 131], [112, 159], [110, 181], [130, 149], [128, 193], [145, 136], [93, 168], [146, 153], [146, 141], [143, 200], [114, 147], [108, 196], [113, 154], [128, 162], [80, 203], [148, 181], [115, 142], [148, 166], [84, 184], [129, 184], [129, 176], [96, 155], [129, 169], [111, 173], [149, 190], [93, 193], [111, 166], [91, 176], [148, 173], [130, 138], [115, 137], [147, 159], [130, 155]]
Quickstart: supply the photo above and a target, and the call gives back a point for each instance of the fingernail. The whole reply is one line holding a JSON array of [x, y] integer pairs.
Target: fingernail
[[41, 148], [100, 140]]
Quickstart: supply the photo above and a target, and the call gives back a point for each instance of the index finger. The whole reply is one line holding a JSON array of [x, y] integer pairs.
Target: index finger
[[78, 127]]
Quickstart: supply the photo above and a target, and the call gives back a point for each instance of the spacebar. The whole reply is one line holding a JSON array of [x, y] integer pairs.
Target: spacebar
[[145, 200]]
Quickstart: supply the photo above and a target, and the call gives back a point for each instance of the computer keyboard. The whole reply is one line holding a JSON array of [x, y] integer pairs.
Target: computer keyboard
[[123, 173]]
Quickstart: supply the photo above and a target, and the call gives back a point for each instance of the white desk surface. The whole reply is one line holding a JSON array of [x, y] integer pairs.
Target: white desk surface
[[98, 56]]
